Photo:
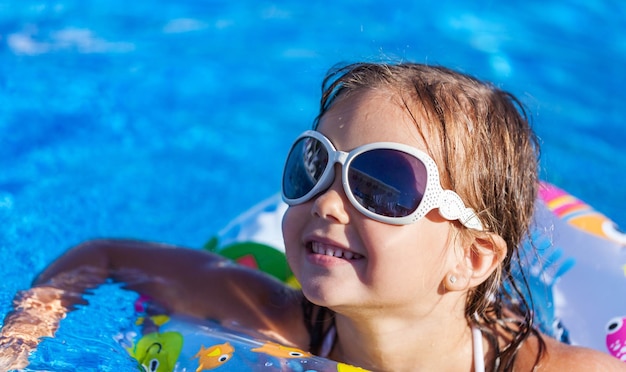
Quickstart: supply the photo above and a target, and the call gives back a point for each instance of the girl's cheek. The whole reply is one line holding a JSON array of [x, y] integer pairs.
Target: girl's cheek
[[292, 226], [293, 220], [287, 221]]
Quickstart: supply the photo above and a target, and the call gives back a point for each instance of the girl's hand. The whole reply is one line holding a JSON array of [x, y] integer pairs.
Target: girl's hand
[[36, 314]]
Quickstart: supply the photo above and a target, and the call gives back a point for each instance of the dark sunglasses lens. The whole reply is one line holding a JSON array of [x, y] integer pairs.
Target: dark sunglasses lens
[[305, 165], [388, 182]]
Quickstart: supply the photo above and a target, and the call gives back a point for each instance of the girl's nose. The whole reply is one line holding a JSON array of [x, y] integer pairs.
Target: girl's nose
[[332, 203]]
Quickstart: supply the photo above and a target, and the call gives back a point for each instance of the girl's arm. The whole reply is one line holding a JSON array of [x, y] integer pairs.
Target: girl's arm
[[187, 281]]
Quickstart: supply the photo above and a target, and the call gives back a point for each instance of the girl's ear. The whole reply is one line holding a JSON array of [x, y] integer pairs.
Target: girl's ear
[[484, 256], [479, 260]]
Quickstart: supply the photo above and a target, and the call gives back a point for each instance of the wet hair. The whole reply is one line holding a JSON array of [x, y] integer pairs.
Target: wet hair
[[486, 152]]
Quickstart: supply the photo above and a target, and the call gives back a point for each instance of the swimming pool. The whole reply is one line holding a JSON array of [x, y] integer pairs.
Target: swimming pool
[[164, 120]]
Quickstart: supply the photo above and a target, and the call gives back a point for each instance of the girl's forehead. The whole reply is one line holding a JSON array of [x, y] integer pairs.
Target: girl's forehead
[[370, 116]]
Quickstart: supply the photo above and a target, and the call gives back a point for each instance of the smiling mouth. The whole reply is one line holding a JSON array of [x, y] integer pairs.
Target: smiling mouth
[[319, 248]]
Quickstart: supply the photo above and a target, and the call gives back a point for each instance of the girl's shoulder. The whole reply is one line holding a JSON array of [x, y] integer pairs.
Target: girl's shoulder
[[558, 356]]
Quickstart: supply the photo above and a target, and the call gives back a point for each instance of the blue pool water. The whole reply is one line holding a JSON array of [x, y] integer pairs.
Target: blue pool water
[[164, 120]]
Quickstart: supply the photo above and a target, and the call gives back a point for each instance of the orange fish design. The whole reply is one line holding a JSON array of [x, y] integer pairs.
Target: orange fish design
[[214, 356], [281, 351], [578, 214]]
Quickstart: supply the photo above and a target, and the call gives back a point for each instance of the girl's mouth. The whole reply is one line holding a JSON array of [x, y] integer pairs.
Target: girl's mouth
[[327, 250]]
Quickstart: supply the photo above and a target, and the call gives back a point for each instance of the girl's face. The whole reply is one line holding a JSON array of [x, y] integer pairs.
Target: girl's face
[[381, 266]]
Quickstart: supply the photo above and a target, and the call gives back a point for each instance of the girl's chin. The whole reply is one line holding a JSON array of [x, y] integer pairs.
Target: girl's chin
[[321, 295], [328, 293]]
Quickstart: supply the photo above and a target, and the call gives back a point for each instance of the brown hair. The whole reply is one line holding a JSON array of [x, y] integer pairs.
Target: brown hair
[[486, 151]]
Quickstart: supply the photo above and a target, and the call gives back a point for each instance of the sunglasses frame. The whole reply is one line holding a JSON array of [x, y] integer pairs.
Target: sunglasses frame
[[449, 203]]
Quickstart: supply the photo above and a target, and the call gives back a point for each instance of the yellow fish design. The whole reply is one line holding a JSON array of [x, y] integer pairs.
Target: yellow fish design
[[157, 320], [158, 352], [342, 367], [214, 356]]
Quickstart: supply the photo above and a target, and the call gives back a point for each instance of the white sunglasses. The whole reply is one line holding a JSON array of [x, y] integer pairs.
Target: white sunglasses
[[386, 181]]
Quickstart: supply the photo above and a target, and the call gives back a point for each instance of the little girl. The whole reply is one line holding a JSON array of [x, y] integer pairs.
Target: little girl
[[408, 202]]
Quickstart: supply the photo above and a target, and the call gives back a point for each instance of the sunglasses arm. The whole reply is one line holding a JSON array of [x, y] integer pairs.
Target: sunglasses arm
[[452, 208]]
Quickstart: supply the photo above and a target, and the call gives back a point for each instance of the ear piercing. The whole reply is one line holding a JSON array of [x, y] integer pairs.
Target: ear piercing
[[452, 279]]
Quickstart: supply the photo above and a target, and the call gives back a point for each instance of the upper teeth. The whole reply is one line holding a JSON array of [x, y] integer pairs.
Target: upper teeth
[[335, 252]]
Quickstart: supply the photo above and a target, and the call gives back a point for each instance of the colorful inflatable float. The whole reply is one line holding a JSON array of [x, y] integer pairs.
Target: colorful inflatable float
[[582, 263], [576, 265], [182, 344]]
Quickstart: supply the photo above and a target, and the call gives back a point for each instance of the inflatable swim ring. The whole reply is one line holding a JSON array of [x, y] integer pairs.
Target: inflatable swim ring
[[181, 344], [582, 262], [175, 343], [576, 265]]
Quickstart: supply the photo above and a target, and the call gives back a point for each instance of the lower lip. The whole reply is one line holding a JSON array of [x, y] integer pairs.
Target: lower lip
[[327, 261]]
